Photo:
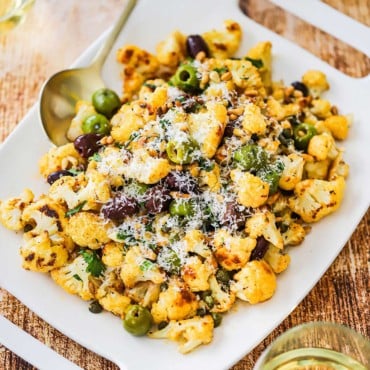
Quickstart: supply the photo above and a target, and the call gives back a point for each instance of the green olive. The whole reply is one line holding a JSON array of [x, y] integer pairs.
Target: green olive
[[251, 157], [106, 102], [181, 152], [138, 320], [217, 319], [303, 133], [181, 207], [186, 78], [96, 124]]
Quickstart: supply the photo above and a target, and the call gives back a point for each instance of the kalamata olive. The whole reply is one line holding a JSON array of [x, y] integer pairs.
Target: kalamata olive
[[233, 217], [301, 87], [182, 182], [229, 129], [260, 249], [120, 206], [87, 144], [190, 105], [196, 44], [158, 199], [54, 176]]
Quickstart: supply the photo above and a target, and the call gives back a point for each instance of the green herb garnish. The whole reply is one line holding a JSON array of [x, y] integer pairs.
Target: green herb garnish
[[94, 264], [76, 209], [256, 62]]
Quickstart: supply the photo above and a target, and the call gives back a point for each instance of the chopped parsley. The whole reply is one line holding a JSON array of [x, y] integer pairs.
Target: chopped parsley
[[95, 157], [256, 62], [94, 264], [77, 277], [76, 209], [146, 265]]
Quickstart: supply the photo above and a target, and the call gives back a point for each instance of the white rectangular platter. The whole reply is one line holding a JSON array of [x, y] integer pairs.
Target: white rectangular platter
[[241, 330]]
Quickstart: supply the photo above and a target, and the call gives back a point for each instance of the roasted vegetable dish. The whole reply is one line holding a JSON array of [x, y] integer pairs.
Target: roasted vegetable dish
[[184, 194]]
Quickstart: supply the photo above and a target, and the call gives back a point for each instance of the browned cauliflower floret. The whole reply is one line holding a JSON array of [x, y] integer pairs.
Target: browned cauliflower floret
[[251, 190], [39, 253], [255, 282], [224, 44], [110, 294], [74, 279], [317, 169], [11, 210], [315, 199], [232, 252], [195, 243], [293, 171], [264, 223], [136, 268], [294, 235], [84, 109], [87, 191], [88, 230], [189, 333], [262, 51], [195, 273], [211, 178], [177, 302], [139, 65], [172, 50], [338, 126], [322, 146], [146, 169], [253, 120], [112, 254], [60, 158], [223, 301], [277, 260], [315, 81], [207, 127], [144, 293]]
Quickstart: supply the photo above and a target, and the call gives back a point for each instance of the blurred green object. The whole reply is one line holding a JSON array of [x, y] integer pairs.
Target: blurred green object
[[13, 12]]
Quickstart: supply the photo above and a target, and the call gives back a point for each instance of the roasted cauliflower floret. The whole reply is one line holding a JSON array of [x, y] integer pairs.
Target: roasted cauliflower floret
[[263, 223], [292, 172], [60, 158], [139, 65], [134, 269], [112, 254], [253, 120], [12, 208], [207, 128], [211, 178], [315, 199], [84, 109], [316, 82], [177, 302], [172, 50], [232, 252], [262, 52], [110, 294], [251, 190], [39, 253], [224, 44], [223, 300], [338, 126], [321, 108], [255, 282], [147, 169], [196, 273], [74, 279], [88, 230], [294, 235], [144, 293], [322, 147], [317, 169], [277, 260], [189, 333], [194, 241]]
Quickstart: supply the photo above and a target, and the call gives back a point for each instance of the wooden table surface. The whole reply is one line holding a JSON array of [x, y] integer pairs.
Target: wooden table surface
[[55, 33]]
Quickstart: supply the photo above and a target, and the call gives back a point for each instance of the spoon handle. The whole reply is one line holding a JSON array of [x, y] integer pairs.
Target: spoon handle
[[103, 52]]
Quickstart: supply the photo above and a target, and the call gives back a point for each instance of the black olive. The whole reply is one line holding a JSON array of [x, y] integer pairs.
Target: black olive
[[120, 206], [195, 44], [233, 217], [300, 86], [158, 199], [182, 182], [87, 144], [54, 176], [260, 249]]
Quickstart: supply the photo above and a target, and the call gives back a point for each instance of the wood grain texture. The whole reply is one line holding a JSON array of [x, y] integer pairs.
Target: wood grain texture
[[28, 55]]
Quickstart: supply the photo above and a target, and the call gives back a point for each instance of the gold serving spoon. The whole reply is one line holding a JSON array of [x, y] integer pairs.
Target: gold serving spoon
[[63, 89]]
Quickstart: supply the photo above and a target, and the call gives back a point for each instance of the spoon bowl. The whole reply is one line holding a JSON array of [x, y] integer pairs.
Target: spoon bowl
[[61, 92]]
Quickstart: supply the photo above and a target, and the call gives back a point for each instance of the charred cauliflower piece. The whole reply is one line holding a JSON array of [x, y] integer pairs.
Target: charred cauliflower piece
[[74, 279], [144, 293], [172, 50], [189, 333], [255, 282], [224, 300], [11, 210], [196, 273], [84, 109], [224, 44], [262, 52], [177, 302], [316, 82], [315, 199]]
